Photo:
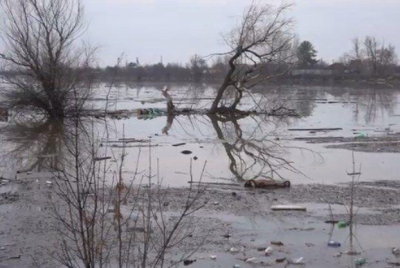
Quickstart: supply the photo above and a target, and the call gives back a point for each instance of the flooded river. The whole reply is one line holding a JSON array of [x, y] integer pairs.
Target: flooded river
[[233, 150], [238, 149]]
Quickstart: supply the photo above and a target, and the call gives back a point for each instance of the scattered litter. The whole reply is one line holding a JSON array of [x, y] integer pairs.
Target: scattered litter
[[301, 229], [331, 221], [195, 158], [213, 257], [288, 207], [11, 258], [188, 262], [149, 112], [338, 255], [216, 203], [186, 152], [227, 236], [236, 266], [342, 224], [110, 210], [334, 244], [133, 217], [351, 253], [280, 260], [361, 135], [130, 140], [396, 251], [234, 250], [49, 183], [360, 262], [251, 260], [237, 197], [179, 144], [299, 261], [102, 158], [268, 251], [315, 129], [277, 243], [354, 173]]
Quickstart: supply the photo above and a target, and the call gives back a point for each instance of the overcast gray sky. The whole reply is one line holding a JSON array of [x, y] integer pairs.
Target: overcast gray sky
[[177, 29]]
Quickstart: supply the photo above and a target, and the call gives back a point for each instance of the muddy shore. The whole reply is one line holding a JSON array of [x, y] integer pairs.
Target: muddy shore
[[236, 223]]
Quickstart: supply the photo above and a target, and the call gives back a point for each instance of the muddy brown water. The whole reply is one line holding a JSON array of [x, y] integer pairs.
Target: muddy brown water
[[233, 151]]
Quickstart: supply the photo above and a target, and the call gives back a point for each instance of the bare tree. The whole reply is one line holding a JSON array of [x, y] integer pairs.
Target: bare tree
[[356, 52], [44, 66], [258, 41], [379, 56], [371, 48]]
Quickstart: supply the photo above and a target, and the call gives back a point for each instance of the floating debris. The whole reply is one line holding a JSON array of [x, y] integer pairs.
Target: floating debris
[[102, 158], [360, 262], [188, 262], [288, 207], [178, 144], [268, 251], [315, 129], [280, 260]]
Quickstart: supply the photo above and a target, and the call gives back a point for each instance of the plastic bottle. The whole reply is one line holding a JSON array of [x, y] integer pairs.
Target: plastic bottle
[[342, 224], [299, 261], [360, 262], [334, 244], [268, 251]]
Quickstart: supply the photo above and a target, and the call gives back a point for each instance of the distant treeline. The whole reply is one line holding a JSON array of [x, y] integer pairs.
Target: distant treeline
[[169, 72], [367, 59], [354, 70]]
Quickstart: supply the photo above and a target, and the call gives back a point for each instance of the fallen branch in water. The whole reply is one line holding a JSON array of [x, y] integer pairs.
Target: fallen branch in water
[[214, 183]]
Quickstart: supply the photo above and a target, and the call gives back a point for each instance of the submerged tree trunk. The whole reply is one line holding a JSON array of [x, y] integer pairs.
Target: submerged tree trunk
[[170, 104]]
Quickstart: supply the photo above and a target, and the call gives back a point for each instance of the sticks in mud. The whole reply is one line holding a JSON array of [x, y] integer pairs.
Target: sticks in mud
[[103, 219], [355, 176]]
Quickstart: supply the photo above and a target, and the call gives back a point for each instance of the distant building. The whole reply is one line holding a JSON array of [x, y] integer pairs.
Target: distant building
[[355, 66], [337, 68]]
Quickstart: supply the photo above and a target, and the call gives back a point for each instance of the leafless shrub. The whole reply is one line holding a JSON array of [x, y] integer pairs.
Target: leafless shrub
[[106, 220]]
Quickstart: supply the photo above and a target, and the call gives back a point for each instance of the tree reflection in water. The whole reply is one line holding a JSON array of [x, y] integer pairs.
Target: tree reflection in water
[[40, 146], [253, 144]]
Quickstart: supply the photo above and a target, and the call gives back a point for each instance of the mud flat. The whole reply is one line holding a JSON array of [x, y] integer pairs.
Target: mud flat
[[235, 225]]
